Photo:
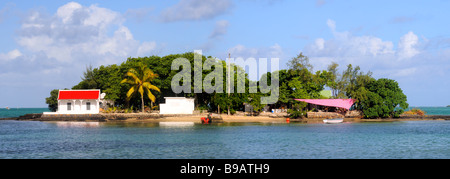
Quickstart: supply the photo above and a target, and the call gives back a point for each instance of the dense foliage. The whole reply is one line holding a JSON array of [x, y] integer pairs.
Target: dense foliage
[[52, 101], [381, 97], [375, 98]]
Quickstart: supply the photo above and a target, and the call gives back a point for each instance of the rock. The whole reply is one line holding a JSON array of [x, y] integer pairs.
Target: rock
[[353, 114], [30, 116]]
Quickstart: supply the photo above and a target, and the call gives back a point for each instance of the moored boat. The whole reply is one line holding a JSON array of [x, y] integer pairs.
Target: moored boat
[[333, 121], [176, 124], [211, 118]]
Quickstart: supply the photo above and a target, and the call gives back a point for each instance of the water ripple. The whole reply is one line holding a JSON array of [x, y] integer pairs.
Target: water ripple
[[419, 139]]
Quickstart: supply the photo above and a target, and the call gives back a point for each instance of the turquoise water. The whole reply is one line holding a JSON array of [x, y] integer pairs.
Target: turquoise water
[[435, 110], [415, 139], [16, 112]]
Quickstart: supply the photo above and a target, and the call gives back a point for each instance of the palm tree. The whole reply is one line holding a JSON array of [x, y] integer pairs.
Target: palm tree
[[140, 79]]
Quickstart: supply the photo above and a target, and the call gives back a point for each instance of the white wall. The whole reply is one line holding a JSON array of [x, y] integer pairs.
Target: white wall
[[176, 105], [78, 107]]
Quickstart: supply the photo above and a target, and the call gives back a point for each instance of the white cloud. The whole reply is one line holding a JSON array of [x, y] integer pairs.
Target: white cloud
[[102, 17], [124, 33], [406, 46], [146, 48], [404, 72], [54, 49], [195, 10], [80, 34], [369, 52], [75, 13], [220, 29], [331, 24], [66, 12], [274, 51], [10, 55], [346, 45], [407, 60], [320, 43]]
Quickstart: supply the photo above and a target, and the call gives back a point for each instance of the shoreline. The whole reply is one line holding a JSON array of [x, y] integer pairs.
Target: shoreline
[[156, 118]]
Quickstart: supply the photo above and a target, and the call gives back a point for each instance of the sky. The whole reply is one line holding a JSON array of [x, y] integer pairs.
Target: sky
[[47, 45]]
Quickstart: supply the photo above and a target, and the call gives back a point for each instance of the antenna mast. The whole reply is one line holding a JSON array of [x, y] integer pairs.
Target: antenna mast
[[229, 80]]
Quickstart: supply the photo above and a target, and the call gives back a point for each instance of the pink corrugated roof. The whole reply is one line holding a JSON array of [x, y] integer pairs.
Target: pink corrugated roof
[[341, 103]]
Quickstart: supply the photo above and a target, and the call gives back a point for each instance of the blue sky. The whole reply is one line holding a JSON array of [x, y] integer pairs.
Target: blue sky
[[46, 45]]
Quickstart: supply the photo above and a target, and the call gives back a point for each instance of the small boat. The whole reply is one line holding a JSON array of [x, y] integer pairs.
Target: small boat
[[211, 118], [333, 121], [78, 124], [176, 124], [7, 107], [206, 120]]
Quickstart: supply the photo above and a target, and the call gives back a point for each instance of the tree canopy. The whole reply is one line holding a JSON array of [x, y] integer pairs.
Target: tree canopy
[[382, 98], [375, 98], [52, 101]]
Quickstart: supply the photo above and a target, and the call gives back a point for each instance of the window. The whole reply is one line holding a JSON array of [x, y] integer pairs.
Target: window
[[88, 106], [69, 106]]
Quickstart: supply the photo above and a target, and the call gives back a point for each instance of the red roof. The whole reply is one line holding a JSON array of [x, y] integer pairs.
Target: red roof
[[79, 94]]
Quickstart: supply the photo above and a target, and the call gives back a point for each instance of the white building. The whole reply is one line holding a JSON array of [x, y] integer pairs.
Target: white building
[[177, 105], [78, 102]]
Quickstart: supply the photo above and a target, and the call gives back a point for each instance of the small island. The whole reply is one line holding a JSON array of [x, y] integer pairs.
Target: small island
[[136, 90], [139, 88]]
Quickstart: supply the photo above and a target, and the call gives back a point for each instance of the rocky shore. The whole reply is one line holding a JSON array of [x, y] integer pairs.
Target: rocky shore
[[154, 117]]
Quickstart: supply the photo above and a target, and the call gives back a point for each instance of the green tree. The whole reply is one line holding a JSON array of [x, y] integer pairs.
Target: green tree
[[298, 82], [254, 99], [301, 79], [109, 78], [139, 78], [233, 101], [52, 101], [354, 79], [88, 81], [105, 78], [382, 98], [348, 83], [332, 80], [300, 62]]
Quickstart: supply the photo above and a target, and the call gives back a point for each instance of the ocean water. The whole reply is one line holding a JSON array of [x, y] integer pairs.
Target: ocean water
[[16, 112], [435, 110], [412, 139]]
